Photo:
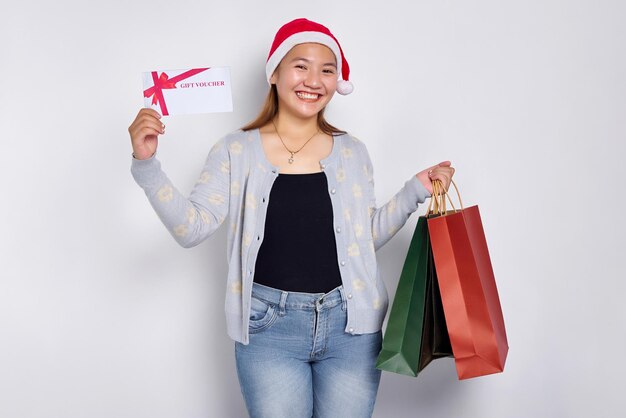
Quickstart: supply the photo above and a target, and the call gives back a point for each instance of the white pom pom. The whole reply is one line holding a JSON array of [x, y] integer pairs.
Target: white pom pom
[[344, 87]]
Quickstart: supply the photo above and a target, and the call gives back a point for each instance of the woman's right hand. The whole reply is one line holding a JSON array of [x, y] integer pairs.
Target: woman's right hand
[[144, 133]]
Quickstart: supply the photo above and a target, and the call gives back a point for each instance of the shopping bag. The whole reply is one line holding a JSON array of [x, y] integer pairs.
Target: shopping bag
[[416, 330], [468, 290], [435, 339]]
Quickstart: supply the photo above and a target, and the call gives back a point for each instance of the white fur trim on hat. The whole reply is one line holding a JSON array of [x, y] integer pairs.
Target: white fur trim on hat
[[344, 87], [302, 38]]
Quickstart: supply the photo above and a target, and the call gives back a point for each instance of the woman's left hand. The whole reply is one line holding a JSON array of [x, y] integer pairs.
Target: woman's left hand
[[442, 171]]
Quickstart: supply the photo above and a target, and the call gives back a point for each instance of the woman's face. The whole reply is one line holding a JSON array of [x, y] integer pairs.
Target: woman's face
[[306, 80]]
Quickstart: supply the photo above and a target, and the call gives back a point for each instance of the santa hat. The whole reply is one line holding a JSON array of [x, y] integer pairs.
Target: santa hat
[[302, 31]]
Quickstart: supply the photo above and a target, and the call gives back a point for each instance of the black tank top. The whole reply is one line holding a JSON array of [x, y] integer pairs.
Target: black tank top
[[299, 252]]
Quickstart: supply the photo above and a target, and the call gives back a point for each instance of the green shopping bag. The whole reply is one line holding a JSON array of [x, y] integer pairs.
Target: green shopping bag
[[416, 332]]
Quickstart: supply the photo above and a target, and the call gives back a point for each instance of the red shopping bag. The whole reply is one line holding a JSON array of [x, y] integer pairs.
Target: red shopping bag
[[468, 289]]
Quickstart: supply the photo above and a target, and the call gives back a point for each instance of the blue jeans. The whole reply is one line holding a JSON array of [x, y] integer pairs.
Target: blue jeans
[[301, 363]]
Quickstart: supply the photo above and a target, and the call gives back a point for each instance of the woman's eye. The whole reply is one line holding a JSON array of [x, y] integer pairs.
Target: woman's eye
[[329, 71], [301, 67]]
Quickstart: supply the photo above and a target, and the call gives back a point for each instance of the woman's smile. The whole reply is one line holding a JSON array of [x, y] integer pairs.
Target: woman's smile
[[307, 96]]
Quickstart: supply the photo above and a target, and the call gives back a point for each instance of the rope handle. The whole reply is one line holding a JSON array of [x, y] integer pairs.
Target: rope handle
[[437, 205], [437, 201]]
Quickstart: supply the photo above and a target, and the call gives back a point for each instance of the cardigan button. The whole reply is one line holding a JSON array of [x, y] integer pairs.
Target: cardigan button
[[343, 263], [350, 296], [338, 229], [351, 330], [332, 191]]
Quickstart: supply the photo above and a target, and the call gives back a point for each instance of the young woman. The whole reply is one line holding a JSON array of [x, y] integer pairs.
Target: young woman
[[305, 302]]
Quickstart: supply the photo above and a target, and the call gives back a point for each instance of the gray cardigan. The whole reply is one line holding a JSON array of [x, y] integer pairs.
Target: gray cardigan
[[235, 186]]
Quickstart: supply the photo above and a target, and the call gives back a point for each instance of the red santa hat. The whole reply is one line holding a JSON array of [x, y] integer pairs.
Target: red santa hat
[[302, 31]]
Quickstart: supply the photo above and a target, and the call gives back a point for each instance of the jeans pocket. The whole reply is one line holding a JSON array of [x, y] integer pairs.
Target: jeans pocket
[[262, 315]]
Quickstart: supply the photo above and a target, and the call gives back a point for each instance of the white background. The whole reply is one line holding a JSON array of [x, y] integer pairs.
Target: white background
[[103, 315]]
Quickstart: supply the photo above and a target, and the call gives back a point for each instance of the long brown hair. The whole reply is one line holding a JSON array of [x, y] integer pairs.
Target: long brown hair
[[270, 110]]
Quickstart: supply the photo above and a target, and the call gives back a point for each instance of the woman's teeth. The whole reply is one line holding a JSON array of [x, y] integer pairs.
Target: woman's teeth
[[310, 96]]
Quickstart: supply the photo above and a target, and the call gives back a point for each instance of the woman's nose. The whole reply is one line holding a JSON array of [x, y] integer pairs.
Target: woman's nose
[[312, 79]]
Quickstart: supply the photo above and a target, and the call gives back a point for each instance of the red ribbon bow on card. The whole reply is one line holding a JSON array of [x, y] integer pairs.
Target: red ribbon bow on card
[[164, 82]]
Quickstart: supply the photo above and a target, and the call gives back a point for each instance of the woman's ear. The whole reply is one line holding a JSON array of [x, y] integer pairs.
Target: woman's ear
[[273, 78]]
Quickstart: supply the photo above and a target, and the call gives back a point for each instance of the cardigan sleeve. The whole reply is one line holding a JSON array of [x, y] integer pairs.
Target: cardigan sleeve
[[387, 219], [191, 219]]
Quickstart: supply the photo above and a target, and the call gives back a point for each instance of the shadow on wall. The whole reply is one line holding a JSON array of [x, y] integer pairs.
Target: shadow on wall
[[430, 392]]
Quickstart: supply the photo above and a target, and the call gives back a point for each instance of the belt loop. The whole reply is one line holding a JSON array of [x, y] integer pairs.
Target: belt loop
[[281, 304], [343, 298]]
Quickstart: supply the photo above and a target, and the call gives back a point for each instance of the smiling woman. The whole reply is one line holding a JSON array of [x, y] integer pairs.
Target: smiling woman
[[305, 301], [305, 80]]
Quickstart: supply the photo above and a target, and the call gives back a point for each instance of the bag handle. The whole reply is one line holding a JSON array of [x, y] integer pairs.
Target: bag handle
[[438, 199], [436, 205]]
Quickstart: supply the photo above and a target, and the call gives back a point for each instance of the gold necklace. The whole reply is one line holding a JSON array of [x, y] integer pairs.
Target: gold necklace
[[290, 151]]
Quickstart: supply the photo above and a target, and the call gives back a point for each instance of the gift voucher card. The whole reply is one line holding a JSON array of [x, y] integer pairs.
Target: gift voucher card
[[196, 90]]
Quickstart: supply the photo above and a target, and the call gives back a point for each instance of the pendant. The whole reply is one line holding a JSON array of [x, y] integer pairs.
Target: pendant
[[291, 159]]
